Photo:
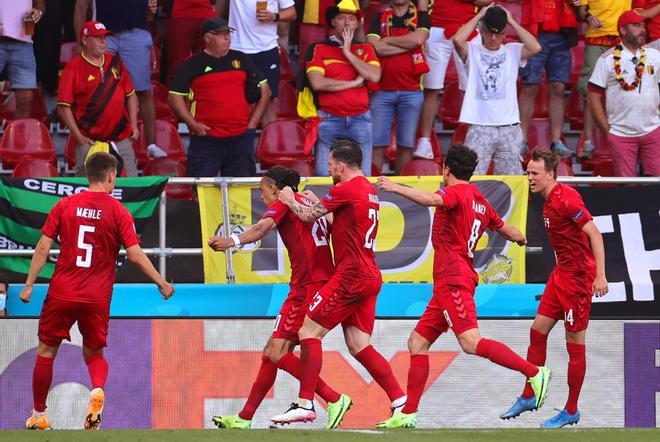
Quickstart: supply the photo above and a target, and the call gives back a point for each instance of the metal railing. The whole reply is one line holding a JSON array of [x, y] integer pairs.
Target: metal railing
[[163, 252]]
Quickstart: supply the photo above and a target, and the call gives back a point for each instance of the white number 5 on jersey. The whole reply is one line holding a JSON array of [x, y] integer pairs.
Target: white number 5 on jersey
[[84, 261]]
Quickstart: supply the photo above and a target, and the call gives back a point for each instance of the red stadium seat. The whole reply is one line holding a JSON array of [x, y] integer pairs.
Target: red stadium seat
[[163, 109], [375, 170], [282, 140], [29, 167], [371, 10], [538, 133], [155, 62], [304, 168], [451, 76], [70, 151], [286, 70], [574, 110], [450, 109], [168, 166], [67, 52], [460, 133], [577, 53], [287, 101], [419, 166], [38, 111], [167, 138], [565, 167], [26, 137]]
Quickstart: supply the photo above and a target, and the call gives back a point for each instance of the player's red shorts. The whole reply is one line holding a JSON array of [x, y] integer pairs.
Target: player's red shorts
[[58, 316], [567, 297], [293, 311], [452, 306], [346, 301]]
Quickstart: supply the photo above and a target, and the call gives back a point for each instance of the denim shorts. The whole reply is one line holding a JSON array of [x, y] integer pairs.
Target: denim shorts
[[554, 59], [405, 106], [335, 127], [18, 58], [134, 49]]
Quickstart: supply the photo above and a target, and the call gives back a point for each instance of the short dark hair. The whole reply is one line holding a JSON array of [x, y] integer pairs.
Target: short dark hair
[[283, 177], [550, 159], [461, 161], [348, 152], [99, 165]]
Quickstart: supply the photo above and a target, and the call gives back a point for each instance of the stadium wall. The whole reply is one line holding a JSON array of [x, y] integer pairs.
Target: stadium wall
[[177, 373]]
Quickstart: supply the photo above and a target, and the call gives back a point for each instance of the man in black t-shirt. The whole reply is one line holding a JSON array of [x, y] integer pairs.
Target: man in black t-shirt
[[221, 85]]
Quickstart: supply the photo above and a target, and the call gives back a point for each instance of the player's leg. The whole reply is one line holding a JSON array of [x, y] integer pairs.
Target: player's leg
[[42, 377]]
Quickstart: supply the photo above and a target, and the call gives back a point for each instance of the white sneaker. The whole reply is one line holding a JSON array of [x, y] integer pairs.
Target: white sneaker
[[424, 149], [587, 150], [155, 151], [295, 413]]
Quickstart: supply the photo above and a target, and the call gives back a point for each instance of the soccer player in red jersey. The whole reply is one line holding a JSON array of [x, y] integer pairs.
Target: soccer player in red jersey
[[311, 267], [90, 227], [461, 217], [579, 275], [349, 297]]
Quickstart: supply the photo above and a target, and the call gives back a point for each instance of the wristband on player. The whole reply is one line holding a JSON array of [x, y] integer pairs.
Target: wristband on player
[[236, 239]]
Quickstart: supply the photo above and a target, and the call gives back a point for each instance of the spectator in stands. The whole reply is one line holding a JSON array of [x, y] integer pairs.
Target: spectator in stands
[[490, 105], [183, 30], [4, 291], [55, 28], [398, 35], [256, 36], [653, 23], [17, 20], [222, 84], [96, 99], [341, 93], [629, 74], [601, 17], [555, 27], [131, 40], [447, 17]]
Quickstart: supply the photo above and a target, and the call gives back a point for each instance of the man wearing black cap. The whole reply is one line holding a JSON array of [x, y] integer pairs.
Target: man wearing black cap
[[490, 105], [221, 84]]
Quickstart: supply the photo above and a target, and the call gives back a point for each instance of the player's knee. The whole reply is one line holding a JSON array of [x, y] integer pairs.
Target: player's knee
[[355, 347], [417, 344], [468, 344]]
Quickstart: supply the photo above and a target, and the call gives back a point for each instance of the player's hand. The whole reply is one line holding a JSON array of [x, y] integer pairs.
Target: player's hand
[[286, 195], [26, 294], [220, 243], [167, 290], [198, 129], [600, 286], [310, 196], [384, 183]]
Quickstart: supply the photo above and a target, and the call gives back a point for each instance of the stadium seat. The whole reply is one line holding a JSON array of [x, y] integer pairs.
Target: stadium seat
[[169, 166], [371, 10], [26, 137], [304, 168], [287, 101], [460, 133], [29, 167], [67, 52], [419, 166], [538, 133], [574, 110], [450, 109], [163, 109], [167, 138], [565, 167], [38, 111], [155, 62], [70, 152], [451, 76], [577, 54], [375, 170], [286, 70], [282, 140]]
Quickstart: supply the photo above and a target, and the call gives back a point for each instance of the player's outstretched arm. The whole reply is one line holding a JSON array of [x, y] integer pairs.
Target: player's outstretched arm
[[600, 283], [140, 260], [307, 214], [420, 196], [511, 233], [38, 260], [254, 233]]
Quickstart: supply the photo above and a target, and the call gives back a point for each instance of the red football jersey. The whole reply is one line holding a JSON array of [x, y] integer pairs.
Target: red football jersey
[[564, 216], [457, 226], [307, 243], [91, 226], [355, 205], [451, 14]]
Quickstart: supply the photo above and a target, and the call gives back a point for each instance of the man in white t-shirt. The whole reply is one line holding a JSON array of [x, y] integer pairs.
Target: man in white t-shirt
[[632, 122], [490, 105], [256, 35]]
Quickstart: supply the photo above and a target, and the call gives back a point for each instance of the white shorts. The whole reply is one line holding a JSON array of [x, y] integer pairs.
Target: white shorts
[[439, 52]]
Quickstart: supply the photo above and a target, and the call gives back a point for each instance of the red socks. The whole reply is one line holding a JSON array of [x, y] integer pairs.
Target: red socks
[[536, 354], [504, 356], [42, 376], [311, 358], [380, 370], [577, 366], [417, 376], [264, 381], [291, 364], [97, 367]]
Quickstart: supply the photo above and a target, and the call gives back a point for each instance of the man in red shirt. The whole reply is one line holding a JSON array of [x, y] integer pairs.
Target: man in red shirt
[[90, 227], [349, 297], [337, 69], [462, 215], [579, 275], [96, 99], [222, 85], [311, 267]]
